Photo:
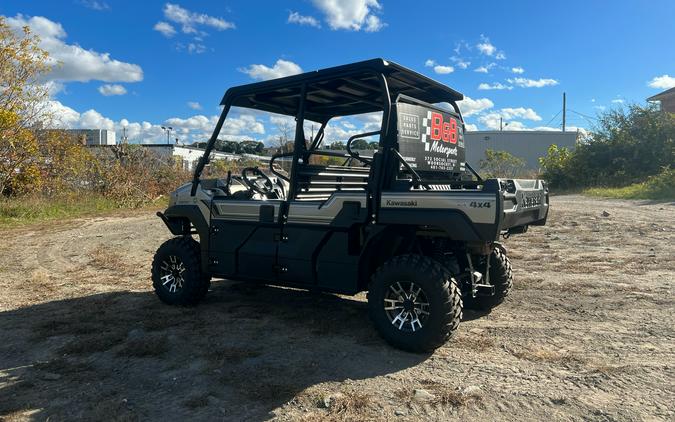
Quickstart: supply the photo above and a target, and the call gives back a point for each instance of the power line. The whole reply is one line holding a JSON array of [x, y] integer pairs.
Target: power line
[[584, 115], [589, 119], [556, 115]]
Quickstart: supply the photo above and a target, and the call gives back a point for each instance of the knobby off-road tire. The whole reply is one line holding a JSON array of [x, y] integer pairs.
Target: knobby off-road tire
[[421, 287], [501, 277], [176, 272]]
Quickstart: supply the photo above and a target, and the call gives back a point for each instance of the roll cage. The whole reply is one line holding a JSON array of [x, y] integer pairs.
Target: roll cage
[[357, 88]]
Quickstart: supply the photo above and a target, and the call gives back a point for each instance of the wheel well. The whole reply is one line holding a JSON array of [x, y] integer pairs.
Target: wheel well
[[395, 240]]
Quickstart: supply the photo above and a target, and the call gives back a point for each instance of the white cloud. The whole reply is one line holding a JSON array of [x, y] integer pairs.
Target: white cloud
[[496, 85], [114, 89], [165, 29], [532, 83], [194, 128], [518, 70], [485, 46], [95, 5], [352, 15], [199, 122], [469, 106], [485, 69], [443, 70], [521, 112], [662, 82], [92, 119], [470, 127], [618, 101], [430, 63], [461, 63], [194, 105], [70, 62], [295, 17], [196, 48], [190, 20], [280, 69], [500, 56], [63, 116], [492, 120]]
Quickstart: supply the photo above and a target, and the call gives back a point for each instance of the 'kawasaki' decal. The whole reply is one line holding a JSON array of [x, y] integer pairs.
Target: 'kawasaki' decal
[[391, 203]]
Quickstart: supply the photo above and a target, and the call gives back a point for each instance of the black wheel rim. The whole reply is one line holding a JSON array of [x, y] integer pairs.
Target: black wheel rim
[[171, 273], [406, 306]]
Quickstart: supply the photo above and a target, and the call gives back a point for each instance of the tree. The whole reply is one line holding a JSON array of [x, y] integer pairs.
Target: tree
[[501, 164], [627, 146], [283, 141], [22, 63], [359, 144], [22, 100], [338, 145]]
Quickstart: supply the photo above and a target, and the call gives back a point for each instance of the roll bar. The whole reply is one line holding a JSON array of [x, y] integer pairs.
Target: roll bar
[[355, 155]]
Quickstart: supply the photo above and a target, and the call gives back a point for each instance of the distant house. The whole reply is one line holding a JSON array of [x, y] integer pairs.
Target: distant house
[[666, 100]]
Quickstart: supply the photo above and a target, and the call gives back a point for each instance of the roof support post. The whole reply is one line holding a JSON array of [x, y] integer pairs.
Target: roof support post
[[299, 142], [209, 147]]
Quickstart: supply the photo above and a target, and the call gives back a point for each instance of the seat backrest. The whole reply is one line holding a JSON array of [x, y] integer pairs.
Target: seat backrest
[[318, 183]]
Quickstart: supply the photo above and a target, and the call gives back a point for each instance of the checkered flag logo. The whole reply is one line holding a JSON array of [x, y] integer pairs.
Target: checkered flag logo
[[427, 128]]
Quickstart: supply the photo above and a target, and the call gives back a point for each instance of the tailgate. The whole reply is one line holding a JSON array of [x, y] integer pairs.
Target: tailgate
[[525, 203]]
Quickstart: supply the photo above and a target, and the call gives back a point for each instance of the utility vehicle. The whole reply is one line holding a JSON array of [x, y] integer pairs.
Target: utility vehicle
[[412, 224]]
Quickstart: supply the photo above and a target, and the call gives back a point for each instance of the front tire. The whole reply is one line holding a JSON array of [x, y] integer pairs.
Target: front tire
[[414, 303], [176, 272]]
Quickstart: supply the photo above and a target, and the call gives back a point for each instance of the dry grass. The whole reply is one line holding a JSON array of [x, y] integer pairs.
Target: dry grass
[[607, 369], [106, 258], [475, 342], [349, 403], [546, 355], [444, 395]]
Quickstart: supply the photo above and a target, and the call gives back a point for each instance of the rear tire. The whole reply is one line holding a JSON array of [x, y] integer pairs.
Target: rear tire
[[414, 303], [177, 274], [501, 277]]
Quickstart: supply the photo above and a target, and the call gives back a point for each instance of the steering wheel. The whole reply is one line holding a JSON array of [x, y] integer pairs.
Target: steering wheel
[[264, 187]]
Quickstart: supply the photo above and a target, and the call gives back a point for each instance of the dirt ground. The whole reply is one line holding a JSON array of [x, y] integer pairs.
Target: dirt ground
[[587, 333]]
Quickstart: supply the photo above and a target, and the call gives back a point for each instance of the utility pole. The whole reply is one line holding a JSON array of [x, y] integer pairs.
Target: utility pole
[[501, 127], [564, 111]]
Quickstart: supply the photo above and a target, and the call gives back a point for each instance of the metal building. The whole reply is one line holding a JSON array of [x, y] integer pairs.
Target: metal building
[[527, 144], [95, 136]]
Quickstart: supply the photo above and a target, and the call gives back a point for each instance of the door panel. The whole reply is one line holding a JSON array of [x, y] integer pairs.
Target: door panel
[[257, 256], [309, 227], [298, 246], [243, 238]]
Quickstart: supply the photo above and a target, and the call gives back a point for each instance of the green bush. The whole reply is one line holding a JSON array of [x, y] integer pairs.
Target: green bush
[[501, 164], [627, 146]]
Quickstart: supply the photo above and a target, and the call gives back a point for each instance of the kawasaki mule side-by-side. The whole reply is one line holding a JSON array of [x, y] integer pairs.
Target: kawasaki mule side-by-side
[[412, 224]]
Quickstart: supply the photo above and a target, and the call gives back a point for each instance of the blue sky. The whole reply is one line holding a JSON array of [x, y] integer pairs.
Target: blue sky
[[141, 64]]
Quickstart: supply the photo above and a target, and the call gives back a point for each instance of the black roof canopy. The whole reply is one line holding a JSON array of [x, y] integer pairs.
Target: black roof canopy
[[339, 91]]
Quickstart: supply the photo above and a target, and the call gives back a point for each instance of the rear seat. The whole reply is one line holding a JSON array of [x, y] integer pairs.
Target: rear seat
[[318, 183]]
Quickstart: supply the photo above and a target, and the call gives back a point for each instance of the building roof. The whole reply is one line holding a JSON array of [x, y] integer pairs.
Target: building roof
[[339, 91], [663, 95]]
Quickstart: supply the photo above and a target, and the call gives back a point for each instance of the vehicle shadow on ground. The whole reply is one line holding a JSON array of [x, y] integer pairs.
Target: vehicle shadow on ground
[[243, 352]]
